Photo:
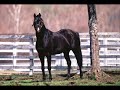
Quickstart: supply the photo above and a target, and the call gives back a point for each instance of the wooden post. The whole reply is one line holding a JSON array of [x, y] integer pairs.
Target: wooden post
[[14, 55], [105, 51], [31, 55]]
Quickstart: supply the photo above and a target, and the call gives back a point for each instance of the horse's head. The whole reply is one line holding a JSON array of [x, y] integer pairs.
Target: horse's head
[[38, 22]]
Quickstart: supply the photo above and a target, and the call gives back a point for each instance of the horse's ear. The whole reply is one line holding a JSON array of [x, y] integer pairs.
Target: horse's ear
[[39, 14], [34, 15]]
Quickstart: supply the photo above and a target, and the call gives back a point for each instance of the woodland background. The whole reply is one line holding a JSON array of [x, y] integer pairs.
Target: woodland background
[[18, 19]]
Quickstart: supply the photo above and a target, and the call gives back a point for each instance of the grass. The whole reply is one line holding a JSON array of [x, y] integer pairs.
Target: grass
[[58, 80], [83, 82]]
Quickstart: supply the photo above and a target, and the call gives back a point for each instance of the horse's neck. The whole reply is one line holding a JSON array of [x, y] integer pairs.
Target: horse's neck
[[41, 34]]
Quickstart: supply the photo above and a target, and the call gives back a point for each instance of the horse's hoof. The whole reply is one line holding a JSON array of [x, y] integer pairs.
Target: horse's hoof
[[43, 79], [81, 77], [49, 80], [67, 78]]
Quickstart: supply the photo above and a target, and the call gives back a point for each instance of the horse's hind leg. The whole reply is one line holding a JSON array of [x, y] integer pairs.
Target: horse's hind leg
[[78, 55], [66, 55]]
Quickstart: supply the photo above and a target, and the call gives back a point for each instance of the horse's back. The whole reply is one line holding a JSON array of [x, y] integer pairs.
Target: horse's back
[[66, 31], [71, 36]]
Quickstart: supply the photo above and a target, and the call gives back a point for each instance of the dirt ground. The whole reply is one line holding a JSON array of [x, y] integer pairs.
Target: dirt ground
[[60, 74], [9, 72], [57, 75], [10, 77]]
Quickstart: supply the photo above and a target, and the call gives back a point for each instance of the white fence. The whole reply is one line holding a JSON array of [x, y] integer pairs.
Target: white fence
[[17, 52]]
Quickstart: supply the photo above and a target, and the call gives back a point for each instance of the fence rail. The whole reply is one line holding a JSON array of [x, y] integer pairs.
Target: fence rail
[[18, 52]]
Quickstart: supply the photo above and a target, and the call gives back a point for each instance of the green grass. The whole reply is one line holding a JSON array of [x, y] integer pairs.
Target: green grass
[[83, 82], [35, 80]]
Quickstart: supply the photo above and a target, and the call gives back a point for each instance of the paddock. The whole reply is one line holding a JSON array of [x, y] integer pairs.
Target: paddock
[[18, 53]]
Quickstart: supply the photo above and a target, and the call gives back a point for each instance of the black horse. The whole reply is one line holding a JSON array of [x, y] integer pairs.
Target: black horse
[[49, 43]]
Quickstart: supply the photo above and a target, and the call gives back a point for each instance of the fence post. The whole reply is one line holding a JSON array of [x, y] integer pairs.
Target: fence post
[[105, 51], [14, 54], [31, 53]]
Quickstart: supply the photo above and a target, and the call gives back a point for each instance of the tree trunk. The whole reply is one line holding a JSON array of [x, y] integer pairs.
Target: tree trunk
[[17, 10], [14, 11], [95, 71], [94, 45]]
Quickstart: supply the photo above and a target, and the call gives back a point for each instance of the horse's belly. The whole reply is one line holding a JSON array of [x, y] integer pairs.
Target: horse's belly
[[57, 51]]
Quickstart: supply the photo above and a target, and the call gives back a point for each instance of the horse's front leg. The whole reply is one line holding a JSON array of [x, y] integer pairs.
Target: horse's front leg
[[42, 66], [49, 66]]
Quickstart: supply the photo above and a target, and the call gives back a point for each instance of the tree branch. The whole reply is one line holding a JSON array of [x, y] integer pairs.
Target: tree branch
[[10, 11]]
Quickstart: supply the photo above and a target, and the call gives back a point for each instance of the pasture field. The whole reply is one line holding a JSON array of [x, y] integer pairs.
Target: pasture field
[[23, 79]]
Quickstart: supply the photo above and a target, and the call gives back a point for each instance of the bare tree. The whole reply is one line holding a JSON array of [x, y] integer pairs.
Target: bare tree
[[95, 71], [14, 11], [94, 45]]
